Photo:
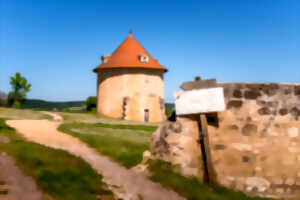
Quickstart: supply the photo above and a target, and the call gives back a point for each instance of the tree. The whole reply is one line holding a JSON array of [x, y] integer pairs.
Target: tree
[[91, 103], [20, 88], [3, 99]]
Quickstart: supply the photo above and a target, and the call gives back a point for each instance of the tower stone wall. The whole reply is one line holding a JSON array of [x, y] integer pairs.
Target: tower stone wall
[[131, 94]]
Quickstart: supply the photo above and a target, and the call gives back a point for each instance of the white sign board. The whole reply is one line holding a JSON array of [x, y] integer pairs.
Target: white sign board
[[199, 101]]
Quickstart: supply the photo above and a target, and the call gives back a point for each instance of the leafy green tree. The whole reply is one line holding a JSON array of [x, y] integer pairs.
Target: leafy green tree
[[91, 103], [20, 88]]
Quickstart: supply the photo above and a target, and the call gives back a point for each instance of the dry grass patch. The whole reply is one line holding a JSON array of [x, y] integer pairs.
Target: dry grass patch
[[12, 113]]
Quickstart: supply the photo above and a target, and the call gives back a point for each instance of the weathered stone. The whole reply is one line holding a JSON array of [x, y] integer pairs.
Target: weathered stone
[[270, 89], [245, 159], [287, 91], [272, 104], [219, 147], [295, 112], [226, 92], [178, 143], [234, 127], [176, 127], [283, 111], [261, 102], [279, 190], [249, 129], [273, 133], [294, 149], [252, 94], [256, 182], [199, 84], [237, 93], [234, 104], [264, 111], [297, 90], [290, 181], [293, 132], [242, 147], [258, 169]]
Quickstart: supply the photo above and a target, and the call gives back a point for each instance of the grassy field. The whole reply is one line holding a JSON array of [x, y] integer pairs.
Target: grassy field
[[123, 143], [56, 172], [11, 113]]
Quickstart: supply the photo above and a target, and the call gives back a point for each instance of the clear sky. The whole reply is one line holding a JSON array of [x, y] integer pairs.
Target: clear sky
[[55, 44]]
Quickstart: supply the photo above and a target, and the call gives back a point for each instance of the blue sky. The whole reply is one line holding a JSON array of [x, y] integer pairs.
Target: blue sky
[[56, 44]]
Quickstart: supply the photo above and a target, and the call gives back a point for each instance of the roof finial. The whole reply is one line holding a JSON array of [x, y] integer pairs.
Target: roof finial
[[130, 31]]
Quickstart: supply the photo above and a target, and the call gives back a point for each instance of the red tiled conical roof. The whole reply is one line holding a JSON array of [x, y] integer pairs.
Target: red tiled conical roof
[[127, 55]]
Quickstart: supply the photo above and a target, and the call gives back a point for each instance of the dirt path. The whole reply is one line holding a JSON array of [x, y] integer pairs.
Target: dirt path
[[16, 184], [126, 184], [55, 116]]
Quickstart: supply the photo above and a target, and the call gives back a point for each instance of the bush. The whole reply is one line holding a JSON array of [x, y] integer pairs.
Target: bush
[[91, 103]]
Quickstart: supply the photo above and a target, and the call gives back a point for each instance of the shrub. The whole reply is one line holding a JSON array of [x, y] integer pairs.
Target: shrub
[[91, 103]]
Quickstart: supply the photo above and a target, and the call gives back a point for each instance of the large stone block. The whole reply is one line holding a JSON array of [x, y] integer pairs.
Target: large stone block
[[177, 143]]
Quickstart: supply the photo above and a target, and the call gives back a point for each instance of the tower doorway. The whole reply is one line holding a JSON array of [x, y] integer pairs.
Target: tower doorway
[[146, 115]]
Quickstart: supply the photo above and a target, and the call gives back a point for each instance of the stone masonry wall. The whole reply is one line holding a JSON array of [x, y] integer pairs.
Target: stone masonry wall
[[256, 145]]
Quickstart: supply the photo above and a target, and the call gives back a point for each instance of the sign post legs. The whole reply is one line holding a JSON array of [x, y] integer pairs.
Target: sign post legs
[[210, 175]]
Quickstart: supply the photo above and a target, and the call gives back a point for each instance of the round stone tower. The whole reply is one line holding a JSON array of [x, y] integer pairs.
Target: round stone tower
[[130, 84]]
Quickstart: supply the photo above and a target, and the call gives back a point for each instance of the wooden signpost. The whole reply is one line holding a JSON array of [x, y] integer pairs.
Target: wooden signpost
[[201, 97]]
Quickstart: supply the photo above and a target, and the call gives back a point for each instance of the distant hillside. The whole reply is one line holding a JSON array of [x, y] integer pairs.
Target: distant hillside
[[50, 105]]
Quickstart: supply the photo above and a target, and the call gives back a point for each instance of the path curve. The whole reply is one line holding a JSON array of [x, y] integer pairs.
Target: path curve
[[56, 117], [125, 183]]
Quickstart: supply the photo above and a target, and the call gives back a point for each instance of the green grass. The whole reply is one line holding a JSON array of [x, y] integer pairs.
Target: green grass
[[123, 143], [191, 188], [93, 117], [56, 172], [127, 126]]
